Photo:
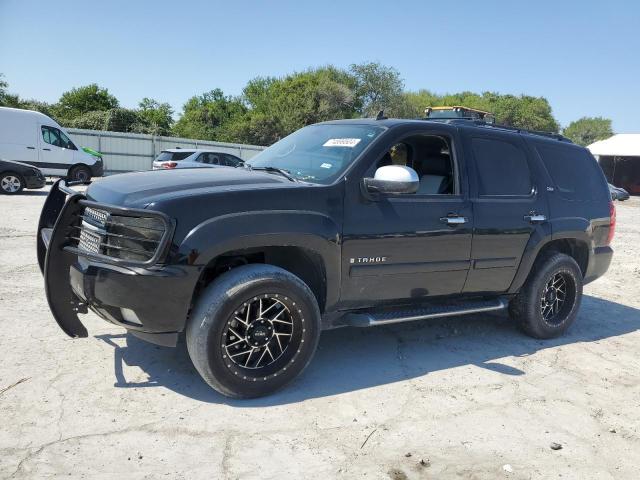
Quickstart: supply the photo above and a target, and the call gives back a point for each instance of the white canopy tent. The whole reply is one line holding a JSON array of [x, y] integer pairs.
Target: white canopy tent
[[620, 145], [619, 158]]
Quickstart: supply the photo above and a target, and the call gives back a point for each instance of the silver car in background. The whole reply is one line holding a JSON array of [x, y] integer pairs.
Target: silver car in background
[[194, 158]]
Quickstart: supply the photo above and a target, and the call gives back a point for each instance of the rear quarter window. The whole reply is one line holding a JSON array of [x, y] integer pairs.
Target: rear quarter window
[[574, 171]]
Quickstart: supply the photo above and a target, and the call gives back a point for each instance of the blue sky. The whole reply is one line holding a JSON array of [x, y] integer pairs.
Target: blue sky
[[584, 56]]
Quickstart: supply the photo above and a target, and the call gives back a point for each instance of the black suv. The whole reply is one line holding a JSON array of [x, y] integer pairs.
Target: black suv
[[346, 223]]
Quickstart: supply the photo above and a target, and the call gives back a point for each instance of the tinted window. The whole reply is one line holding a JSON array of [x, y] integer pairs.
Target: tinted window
[[232, 161], [66, 143], [502, 168], [173, 156], [318, 153], [574, 171], [52, 136]]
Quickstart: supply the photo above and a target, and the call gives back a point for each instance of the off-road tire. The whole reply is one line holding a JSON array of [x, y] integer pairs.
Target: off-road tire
[[528, 306], [207, 332]]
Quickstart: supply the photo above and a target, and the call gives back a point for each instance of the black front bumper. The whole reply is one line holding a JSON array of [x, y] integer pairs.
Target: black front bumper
[[97, 169], [151, 302], [35, 181]]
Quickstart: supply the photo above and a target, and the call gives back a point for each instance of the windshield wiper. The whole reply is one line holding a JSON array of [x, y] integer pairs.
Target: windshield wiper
[[285, 173]]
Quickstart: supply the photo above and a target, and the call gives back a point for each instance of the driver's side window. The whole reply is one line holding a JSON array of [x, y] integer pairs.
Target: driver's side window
[[432, 159], [55, 137], [50, 135]]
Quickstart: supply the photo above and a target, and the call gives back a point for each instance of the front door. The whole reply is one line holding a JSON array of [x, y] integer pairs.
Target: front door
[[507, 207], [403, 248], [56, 151]]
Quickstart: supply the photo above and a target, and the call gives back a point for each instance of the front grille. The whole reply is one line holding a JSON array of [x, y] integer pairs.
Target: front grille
[[98, 216], [119, 235], [89, 241]]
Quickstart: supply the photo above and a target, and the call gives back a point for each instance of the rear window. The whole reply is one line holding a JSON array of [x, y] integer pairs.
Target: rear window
[[574, 172], [502, 168], [173, 156]]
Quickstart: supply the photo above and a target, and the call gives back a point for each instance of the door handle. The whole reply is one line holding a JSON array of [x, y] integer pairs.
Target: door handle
[[47, 149], [454, 220], [535, 218], [31, 148]]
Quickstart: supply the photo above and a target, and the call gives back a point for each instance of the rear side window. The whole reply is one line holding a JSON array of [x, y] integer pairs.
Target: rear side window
[[173, 156], [502, 168], [574, 172]]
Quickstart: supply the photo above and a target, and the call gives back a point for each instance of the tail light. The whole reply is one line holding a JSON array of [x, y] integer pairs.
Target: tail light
[[169, 165], [612, 222]]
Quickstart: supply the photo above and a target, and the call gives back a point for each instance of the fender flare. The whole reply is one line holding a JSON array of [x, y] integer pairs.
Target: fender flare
[[564, 228], [307, 230]]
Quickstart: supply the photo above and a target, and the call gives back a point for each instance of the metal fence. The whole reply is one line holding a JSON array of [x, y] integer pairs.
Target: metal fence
[[129, 152]]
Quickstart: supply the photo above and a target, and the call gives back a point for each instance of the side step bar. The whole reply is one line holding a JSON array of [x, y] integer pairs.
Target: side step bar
[[370, 318]]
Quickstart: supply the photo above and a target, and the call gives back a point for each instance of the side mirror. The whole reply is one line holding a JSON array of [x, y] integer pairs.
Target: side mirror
[[393, 179]]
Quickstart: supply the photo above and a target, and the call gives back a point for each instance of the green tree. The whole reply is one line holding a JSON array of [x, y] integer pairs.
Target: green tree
[[524, 111], [81, 100], [378, 87], [7, 99], [114, 120], [209, 116], [279, 106], [155, 118], [587, 130]]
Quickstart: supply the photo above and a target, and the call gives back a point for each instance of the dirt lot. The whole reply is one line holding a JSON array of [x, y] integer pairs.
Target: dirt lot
[[463, 398]]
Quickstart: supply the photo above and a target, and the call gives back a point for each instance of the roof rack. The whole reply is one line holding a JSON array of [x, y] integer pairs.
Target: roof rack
[[481, 123]]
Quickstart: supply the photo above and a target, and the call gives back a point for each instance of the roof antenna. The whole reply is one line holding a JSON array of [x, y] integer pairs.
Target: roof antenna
[[380, 115]]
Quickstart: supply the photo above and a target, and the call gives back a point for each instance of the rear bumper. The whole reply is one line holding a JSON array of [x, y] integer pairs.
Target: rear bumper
[[599, 263], [151, 302]]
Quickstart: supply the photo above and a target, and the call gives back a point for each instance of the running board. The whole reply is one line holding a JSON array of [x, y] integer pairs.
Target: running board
[[370, 318]]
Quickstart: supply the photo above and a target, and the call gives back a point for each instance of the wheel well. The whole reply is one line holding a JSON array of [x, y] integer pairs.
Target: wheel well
[[304, 263], [7, 172], [569, 246], [75, 165]]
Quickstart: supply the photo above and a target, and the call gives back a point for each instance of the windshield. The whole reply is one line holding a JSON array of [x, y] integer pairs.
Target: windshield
[[173, 156], [317, 153]]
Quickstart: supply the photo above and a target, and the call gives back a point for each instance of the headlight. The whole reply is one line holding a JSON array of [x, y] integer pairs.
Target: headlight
[[135, 239]]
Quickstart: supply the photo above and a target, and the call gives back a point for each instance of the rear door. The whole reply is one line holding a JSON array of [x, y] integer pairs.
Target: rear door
[[508, 207]]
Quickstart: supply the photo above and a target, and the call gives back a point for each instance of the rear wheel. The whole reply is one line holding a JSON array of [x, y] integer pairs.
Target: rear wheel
[[253, 330], [11, 183], [549, 301], [80, 173]]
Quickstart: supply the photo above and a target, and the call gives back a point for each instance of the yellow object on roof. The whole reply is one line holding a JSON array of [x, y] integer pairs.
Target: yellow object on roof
[[458, 107], [458, 111]]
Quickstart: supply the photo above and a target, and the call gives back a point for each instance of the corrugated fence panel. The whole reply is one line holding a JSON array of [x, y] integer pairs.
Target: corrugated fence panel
[[127, 152]]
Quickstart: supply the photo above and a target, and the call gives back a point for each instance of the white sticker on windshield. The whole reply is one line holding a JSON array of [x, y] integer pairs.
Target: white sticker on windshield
[[342, 142], [326, 165]]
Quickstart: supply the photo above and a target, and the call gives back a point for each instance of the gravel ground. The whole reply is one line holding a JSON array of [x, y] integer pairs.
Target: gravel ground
[[467, 398]]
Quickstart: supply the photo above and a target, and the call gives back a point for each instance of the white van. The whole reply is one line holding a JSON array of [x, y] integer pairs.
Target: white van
[[32, 137]]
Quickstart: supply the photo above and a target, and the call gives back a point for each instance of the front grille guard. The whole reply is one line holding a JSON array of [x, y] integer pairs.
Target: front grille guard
[[161, 247], [55, 256]]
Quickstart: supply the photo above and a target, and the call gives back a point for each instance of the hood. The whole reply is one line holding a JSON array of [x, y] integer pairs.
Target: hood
[[14, 162], [138, 190]]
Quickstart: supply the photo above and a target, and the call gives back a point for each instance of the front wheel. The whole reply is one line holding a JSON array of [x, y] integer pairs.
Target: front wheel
[[549, 301], [11, 183], [80, 173], [253, 330]]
